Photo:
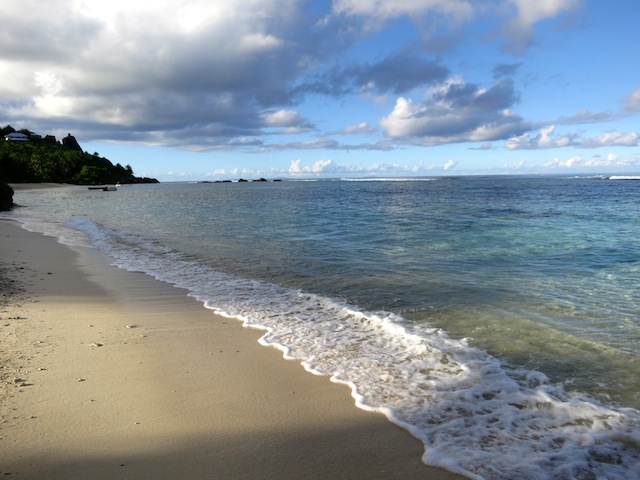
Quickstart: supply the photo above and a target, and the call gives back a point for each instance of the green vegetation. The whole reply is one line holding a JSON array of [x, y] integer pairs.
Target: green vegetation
[[47, 160]]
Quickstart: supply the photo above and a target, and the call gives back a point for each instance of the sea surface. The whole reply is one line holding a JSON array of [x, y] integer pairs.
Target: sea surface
[[495, 318]]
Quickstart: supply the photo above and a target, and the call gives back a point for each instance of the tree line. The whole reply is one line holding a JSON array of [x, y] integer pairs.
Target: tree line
[[45, 159]]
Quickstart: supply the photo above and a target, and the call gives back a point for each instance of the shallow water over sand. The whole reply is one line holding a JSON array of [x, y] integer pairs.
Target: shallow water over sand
[[493, 317]]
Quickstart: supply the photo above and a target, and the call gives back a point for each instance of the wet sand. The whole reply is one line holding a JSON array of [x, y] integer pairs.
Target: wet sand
[[106, 373]]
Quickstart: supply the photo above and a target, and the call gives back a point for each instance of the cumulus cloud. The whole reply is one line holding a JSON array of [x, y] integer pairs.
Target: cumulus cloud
[[320, 166], [546, 138], [281, 118], [167, 72], [328, 167], [288, 120], [449, 164], [296, 166], [152, 67], [216, 75], [457, 112]]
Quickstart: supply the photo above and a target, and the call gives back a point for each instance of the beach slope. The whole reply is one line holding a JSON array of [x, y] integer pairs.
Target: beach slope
[[111, 374]]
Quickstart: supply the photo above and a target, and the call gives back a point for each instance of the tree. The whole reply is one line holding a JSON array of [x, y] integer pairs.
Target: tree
[[46, 160]]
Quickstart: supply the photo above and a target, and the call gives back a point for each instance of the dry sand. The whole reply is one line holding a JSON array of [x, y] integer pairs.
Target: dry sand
[[111, 374]]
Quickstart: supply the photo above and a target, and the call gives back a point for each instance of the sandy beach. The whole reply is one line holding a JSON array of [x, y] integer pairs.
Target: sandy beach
[[112, 374]]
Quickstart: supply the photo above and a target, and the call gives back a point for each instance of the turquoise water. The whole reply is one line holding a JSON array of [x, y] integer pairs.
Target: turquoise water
[[496, 318]]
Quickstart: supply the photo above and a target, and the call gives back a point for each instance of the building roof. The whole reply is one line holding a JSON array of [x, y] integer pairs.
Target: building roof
[[17, 136]]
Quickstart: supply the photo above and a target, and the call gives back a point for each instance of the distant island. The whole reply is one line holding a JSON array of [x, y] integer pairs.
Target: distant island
[[26, 157]]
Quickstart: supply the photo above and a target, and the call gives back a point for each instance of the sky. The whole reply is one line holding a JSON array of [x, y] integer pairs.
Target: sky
[[225, 89]]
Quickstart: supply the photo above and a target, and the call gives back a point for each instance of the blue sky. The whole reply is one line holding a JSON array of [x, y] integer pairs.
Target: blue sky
[[201, 90]]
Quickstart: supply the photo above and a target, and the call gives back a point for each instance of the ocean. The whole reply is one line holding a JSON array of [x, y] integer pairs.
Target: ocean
[[495, 318]]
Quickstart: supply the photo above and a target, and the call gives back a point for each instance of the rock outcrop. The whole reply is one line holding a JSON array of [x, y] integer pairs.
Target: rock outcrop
[[70, 142], [6, 197]]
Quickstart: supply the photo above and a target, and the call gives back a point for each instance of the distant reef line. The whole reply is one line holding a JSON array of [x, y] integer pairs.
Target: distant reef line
[[240, 180]]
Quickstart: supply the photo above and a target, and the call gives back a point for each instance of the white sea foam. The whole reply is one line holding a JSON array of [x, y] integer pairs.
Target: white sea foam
[[473, 415], [389, 179]]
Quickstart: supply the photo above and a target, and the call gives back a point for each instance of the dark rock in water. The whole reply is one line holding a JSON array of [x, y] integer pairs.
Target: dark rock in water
[[131, 180], [145, 180], [259, 180], [70, 142], [6, 197], [240, 180]]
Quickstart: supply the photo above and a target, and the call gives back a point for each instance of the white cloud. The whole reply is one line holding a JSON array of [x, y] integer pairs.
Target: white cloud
[[632, 102], [557, 163], [318, 167], [611, 162], [323, 166], [289, 120], [612, 139], [449, 165], [531, 12], [296, 166], [456, 112], [146, 66], [254, 43], [328, 168], [545, 139], [207, 75], [281, 118]]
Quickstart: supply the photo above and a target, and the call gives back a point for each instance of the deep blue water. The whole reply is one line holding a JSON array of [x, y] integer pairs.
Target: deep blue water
[[491, 316]]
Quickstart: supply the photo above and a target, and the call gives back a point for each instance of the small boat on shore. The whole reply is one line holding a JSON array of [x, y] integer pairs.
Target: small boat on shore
[[104, 188]]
